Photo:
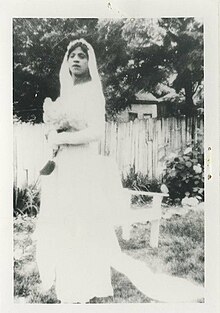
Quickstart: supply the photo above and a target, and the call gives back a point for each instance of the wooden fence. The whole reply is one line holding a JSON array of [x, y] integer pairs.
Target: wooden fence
[[144, 144]]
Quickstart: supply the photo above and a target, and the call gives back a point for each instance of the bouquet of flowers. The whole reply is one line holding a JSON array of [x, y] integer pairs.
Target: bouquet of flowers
[[58, 118]]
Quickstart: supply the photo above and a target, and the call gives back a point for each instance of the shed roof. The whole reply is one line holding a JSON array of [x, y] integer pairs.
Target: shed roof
[[144, 97]]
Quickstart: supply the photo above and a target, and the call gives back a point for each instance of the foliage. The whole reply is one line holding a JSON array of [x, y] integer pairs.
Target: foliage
[[147, 59], [183, 44], [184, 174], [132, 54], [39, 46], [138, 181], [26, 201], [113, 58]]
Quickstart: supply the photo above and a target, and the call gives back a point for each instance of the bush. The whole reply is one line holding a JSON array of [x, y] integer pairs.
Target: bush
[[137, 181], [26, 201], [184, 174]]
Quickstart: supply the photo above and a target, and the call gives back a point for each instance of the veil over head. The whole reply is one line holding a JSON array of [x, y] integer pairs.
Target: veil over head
[[66, 81], [72, 97]]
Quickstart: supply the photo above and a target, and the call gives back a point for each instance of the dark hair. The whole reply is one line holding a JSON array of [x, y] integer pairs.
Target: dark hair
[[76, 45]]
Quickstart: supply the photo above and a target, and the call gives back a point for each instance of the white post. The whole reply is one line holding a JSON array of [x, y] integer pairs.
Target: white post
[[155, 224]]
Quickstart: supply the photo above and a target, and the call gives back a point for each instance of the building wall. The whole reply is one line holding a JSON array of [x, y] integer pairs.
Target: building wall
[[142, 109]]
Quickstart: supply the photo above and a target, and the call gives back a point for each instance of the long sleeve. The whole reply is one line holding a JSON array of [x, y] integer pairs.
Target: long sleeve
[[95, 120]]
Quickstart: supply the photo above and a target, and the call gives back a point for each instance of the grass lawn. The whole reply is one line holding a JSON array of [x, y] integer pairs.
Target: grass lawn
[[180, 253]]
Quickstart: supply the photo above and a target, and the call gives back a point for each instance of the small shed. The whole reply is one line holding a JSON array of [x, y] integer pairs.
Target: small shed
[[144, 107]]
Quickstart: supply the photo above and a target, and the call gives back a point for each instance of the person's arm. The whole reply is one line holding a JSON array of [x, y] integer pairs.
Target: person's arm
[[94, 131], [80, 137]]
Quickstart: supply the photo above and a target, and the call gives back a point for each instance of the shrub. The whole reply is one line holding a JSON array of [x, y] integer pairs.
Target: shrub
[[26, 201], [184, 174], [137, 181]]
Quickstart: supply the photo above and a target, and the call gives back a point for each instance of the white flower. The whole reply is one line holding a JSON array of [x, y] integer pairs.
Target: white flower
[[189, 201], [164, 188], [188, 150], [197, 168]]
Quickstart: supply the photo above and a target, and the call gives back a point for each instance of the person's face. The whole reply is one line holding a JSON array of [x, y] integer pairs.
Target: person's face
[[78, 62]]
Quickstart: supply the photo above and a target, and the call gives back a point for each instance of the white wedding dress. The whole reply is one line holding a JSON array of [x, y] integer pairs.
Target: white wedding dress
[[80, 202]]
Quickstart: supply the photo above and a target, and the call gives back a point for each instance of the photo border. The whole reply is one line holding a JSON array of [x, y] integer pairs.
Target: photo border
[[208, 10]]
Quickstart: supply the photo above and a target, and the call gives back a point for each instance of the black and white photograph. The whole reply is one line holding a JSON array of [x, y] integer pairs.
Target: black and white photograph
[[110, 161], [114, 107]]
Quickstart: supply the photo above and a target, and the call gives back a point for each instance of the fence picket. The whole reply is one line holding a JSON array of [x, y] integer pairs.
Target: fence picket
[[144, 144]]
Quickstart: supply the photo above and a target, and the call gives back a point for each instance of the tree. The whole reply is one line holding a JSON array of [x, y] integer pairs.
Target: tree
[[39, 46], [166, 52], [145, 46], [113, 59], [132, 54], [183, 44]]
